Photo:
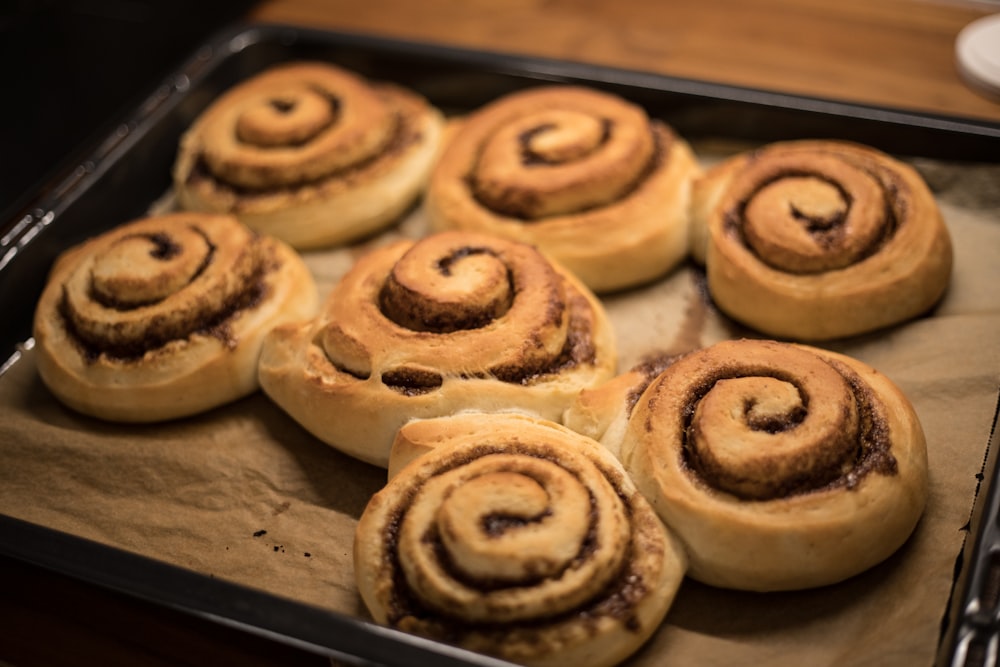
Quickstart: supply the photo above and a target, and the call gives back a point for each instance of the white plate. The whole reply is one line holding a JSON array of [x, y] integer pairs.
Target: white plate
[[977, 50]]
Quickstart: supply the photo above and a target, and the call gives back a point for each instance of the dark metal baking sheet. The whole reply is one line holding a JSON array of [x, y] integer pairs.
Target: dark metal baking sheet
[[107, 189]]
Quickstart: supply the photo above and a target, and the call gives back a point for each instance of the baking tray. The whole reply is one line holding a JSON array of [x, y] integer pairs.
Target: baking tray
[[107, 189]]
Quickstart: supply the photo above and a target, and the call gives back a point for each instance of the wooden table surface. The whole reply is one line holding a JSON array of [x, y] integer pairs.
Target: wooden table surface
[[896, 53]]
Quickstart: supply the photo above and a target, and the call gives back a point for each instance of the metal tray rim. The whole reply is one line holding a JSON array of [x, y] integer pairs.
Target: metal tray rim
[[340, 636]]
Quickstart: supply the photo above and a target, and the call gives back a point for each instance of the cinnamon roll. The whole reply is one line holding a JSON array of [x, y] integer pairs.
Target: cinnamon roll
[[815, 240], [309, 153], [164, 317], [602, 412], [778, 466], [517, 538], [455, 321], [584, 175]]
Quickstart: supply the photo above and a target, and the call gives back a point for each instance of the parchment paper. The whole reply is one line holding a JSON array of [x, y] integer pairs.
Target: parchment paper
[[244, 494]]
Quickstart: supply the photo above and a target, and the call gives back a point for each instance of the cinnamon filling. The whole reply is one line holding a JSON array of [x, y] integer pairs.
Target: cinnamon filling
[[495, 525], [520, 204], [405, 133], [867, 450], [578, 350], [411, 381], [405, 611], [843, 226], [650, 369], [875, 444], [530, 155], [770, 423], [289, 122], [215, 323], [163, 249], [405, 302], [216, 327]]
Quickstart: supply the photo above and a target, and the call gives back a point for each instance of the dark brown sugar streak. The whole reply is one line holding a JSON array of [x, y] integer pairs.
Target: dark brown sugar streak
[[510, 208], [401, 306], [405, 134], [217, 326], [828, 232], [578, 349], [407, 613], [163, 248], [285, 106], [872, 455]]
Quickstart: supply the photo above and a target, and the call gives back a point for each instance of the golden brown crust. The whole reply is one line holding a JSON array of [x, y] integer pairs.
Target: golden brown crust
[[309, 153], [516, 537], [583, 175], [814, 240], [602, 412], [778, 466], [456, 321], [164, 317]]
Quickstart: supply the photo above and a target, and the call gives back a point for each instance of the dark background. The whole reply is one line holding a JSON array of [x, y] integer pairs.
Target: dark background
[[72, 69]]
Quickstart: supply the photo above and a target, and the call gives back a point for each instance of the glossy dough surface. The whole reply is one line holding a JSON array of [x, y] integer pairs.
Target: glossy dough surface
[[584, 175], [778, 466], [815, 240], [518, 538], [456, 321], [309, 153], [165, 316]]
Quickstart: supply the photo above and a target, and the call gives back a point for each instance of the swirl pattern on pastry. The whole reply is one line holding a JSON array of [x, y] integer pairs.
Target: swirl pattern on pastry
[[516, 537], [815, 240], [164, 317], [454, 321], [309, 153], [812, 462], [584, 175]]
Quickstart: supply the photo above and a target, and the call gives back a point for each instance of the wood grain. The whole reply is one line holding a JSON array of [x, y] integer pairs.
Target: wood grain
[[893, 53]]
